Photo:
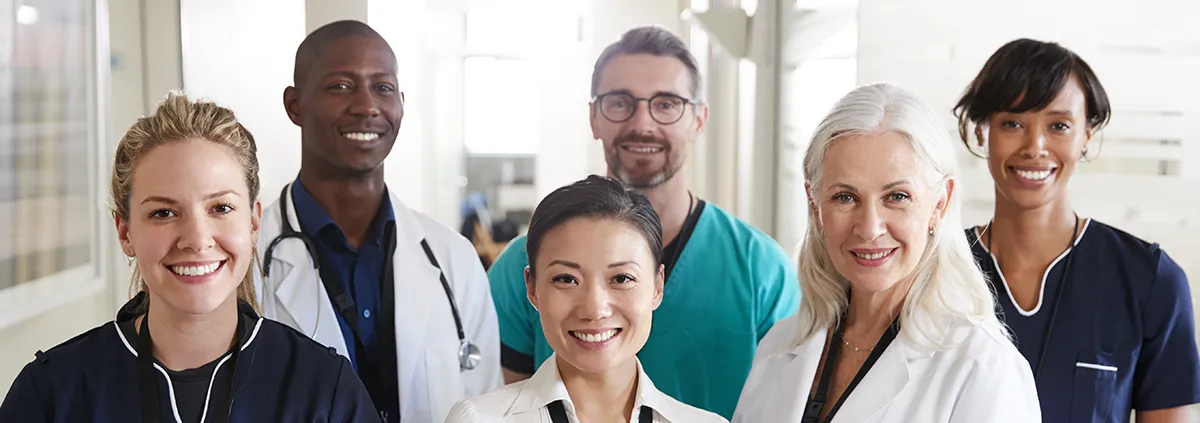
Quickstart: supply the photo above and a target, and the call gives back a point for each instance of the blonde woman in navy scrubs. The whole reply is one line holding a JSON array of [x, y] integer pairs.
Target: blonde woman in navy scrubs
[[1103, 318]]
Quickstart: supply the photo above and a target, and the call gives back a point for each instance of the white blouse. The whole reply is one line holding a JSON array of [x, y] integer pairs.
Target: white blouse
[[527, 402]]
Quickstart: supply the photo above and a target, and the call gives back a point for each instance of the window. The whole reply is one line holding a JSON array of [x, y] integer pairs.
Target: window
[[503, 106], [48, 147]]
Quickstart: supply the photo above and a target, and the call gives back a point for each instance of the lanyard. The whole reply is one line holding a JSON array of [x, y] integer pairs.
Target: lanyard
[[148, 384], [558, 413], [346, 306], [812, 411]]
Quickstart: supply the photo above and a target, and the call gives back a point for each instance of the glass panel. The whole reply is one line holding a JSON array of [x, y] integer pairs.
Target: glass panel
[[503, 106], [46, 225], [528, 30]]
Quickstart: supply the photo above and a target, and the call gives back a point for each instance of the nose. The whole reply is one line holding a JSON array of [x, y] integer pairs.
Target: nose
[[595, 304], [364, 104], [641, 122], [1034, 143], [869, 223], [195, 235]]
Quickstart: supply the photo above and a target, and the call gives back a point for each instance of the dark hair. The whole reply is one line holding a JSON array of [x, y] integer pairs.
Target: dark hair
[[1033, 72], [595, 197], [333, 31], [651, 40]]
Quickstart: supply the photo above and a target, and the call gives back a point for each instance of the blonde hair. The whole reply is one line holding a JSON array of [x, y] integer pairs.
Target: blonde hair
[[176, 119], [948, 286]]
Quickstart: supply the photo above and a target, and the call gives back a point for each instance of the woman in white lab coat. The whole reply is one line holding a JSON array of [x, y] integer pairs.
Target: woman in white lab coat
[[896, 324], [595, 276]]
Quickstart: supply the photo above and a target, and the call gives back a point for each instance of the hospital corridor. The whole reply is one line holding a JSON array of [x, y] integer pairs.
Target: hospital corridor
[[471, 210]]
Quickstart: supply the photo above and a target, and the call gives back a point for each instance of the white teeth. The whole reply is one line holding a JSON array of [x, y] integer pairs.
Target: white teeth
[[874, 256], [360, 136], [644, 149], [597, 337], [1033, 175], [195, 270]]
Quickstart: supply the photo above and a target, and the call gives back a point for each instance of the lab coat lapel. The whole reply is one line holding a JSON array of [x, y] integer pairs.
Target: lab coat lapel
[[418, 292], [880, 385], [300, 291], [806, 358]]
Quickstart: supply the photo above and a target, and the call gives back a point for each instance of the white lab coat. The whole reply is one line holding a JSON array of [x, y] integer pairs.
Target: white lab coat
[[527, 402], [427, 343], [984, 379]]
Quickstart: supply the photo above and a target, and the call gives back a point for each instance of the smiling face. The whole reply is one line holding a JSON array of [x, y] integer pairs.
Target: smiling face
[[875, 207], [191, 225], [348, 105], [1032, 155], [596, 287], [640, 151]]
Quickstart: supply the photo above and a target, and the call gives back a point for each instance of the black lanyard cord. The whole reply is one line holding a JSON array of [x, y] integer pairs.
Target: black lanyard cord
[[816, 403], [148, 382], [558, 413]]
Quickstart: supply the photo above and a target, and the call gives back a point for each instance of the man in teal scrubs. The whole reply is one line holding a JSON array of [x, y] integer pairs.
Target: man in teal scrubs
[[727, 283]]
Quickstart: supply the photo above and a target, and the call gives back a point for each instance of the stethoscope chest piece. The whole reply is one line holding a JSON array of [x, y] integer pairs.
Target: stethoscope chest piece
[[468, 355]]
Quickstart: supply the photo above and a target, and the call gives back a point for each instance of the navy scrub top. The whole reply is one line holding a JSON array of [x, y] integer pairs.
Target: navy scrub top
[[281, 376], [1123, 338]]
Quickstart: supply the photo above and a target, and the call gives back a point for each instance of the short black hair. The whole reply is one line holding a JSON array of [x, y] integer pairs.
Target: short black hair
[[1033, 72], [651, 40], [333, 31], [596, 197]]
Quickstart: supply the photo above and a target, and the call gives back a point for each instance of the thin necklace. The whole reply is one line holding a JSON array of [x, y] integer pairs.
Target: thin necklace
[[855, 347]]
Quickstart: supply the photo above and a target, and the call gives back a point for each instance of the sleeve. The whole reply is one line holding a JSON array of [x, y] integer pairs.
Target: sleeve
[[23, 403], [999, 391], [517, 325], [351, 403], [463, 412], [1167, 372], [479, 322], [778, 288]]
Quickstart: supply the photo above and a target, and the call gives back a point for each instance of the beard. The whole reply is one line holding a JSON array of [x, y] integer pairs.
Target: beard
[[640, 173]]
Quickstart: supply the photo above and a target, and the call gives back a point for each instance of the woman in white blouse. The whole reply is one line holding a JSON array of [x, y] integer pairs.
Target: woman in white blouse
[[896, 323], [595, 276]]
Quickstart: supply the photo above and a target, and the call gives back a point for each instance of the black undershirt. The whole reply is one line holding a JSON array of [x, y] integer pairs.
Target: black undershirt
[[191, 385], [519, 362]]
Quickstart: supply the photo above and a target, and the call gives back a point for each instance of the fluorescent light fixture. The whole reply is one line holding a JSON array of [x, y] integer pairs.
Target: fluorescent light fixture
[[27, 15]]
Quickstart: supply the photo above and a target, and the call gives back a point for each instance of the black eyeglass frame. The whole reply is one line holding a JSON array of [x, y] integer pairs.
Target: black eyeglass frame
[[637, 101]]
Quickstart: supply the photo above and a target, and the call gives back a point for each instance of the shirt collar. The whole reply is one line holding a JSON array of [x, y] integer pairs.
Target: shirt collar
[[314, 219], [546, 386]]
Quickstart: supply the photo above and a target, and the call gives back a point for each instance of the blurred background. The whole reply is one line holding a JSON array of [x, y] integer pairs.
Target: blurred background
[[496, 115]]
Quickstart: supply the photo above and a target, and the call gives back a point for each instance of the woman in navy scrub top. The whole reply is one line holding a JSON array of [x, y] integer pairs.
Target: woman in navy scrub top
[[189, 347], [1103, 317]]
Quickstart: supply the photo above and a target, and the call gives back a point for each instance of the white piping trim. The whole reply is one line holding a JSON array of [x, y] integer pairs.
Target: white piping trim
[[123, 340], [1096, 366], [171, 392], [1042, 287], [208, 395]]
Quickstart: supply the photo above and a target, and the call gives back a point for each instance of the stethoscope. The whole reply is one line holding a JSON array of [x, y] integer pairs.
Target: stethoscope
[[469, 356]]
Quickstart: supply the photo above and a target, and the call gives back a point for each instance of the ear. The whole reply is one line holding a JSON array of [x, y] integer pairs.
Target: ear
[[592, 116], [256, 219], [812, 204], [1088, 140], [123, 235], [701, 118], [291, 104], [979, 135], [530, 292], [943, 204], [659, 280]]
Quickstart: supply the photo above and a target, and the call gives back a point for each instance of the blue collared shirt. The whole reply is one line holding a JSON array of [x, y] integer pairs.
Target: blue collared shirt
[[361, 273]]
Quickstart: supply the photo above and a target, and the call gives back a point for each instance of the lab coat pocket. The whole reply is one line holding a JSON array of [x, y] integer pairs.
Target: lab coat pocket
[[1095, 386]]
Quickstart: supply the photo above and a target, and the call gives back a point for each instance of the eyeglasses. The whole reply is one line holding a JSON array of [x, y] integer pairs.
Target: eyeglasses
[[619, 107]]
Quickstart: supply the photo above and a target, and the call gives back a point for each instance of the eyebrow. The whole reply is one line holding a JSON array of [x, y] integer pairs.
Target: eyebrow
[[577, 266], [890, 185], [352, 74], [629, 93], [160, 199], [1060, 112]]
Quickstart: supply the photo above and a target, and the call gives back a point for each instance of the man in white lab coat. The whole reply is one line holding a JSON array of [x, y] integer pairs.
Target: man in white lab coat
[[411, 306]]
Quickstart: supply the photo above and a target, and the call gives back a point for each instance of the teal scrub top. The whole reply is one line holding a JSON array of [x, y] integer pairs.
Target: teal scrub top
[[729, 286]]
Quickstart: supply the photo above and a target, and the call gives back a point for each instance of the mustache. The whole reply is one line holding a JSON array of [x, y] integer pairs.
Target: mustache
[[641, 139]]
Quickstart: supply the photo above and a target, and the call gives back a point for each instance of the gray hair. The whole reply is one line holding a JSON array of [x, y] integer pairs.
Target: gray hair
[[651, 40], [948, 285]]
